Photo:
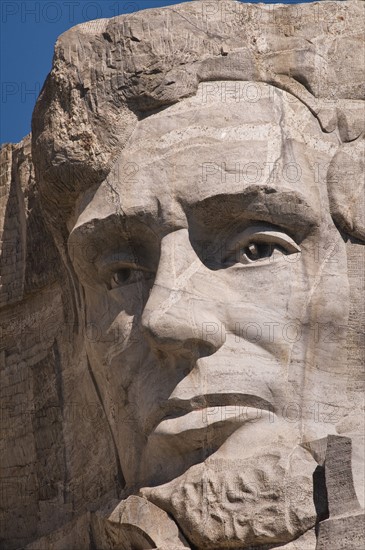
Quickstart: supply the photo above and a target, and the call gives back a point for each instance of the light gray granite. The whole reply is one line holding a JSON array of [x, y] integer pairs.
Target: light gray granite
[[183, 282]]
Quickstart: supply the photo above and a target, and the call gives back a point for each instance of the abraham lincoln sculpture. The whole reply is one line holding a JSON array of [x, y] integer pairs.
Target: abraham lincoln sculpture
[[195, 196]]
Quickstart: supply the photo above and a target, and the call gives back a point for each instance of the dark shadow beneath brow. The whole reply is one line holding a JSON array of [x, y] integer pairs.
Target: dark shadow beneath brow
[[115, 232], [287, 209], [213, 221]]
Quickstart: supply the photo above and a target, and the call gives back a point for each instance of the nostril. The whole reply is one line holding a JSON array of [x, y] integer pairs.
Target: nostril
[[199, 348], [161, 335], [169, 336]]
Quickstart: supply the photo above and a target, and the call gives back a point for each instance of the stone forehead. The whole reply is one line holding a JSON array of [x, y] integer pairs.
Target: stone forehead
[[270, 129], [244, 110], [107, 74]]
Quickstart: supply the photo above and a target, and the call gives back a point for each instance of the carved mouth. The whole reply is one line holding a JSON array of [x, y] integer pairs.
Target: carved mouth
[[188, 431], [205, 419], [179, 415]]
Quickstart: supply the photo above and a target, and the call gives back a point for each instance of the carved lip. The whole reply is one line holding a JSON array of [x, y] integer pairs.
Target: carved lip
[[177, 414]]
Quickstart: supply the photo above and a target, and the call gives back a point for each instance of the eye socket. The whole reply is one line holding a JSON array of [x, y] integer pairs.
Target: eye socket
[[129, 275], [121, 277], [121, 269], [259, 243], [255, 251]]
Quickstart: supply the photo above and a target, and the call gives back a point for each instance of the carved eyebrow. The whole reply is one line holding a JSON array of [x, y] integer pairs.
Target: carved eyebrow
[[85, 234], [285, 208], [95, 237]]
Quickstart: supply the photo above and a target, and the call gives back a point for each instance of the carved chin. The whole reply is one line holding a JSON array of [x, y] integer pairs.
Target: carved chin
[[261, 499]]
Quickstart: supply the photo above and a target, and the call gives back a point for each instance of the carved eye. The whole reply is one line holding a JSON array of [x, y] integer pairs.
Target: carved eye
[[130, 275], [255, 251], [121, 277], [259, 243]]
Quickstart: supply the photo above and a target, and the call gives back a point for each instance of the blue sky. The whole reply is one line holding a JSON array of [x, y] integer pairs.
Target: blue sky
[[29, 30]]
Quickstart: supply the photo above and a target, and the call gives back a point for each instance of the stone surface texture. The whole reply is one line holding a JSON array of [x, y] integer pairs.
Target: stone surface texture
[[183, 284]]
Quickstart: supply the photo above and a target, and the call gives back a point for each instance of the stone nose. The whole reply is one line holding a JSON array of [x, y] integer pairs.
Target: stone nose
[[175, 319]]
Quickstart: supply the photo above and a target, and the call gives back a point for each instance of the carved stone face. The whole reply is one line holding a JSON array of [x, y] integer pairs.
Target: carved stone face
[[215, 288]]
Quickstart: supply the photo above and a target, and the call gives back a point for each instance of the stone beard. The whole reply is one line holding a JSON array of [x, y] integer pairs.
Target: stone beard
[[213, 263]]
